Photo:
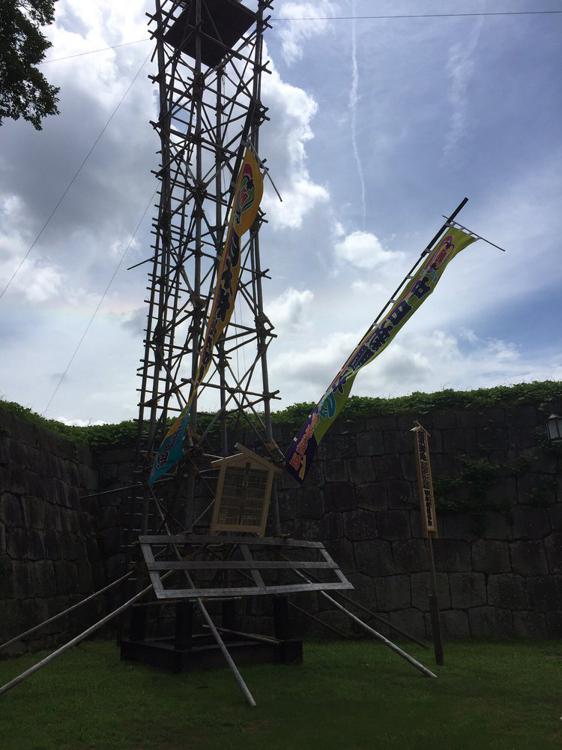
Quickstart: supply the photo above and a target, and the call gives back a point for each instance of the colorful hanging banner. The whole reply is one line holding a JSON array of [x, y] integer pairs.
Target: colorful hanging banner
[[302, 450], [247, 197]]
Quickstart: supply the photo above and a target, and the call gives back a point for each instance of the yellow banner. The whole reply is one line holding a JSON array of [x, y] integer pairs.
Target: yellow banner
[[302, 450], [248, 194], [247, 197]]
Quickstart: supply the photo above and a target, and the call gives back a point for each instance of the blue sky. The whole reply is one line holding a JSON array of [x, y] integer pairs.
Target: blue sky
[[377, 128]]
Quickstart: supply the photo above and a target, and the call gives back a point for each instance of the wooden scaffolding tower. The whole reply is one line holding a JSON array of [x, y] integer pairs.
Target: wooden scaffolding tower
[[210, 63]]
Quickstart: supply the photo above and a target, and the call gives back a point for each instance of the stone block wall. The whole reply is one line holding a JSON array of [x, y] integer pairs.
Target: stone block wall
[[499, 490], [115, 471], [499, 555], [49, 552]]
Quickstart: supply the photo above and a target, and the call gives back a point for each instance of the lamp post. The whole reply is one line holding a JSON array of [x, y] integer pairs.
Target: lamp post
[[554, 428]]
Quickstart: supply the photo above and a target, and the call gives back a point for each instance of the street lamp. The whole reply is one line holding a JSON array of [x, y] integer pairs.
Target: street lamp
[[554, 428]]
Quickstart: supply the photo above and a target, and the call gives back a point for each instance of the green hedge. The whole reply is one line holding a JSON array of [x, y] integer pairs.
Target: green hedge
[[481, 398], [124, 433]]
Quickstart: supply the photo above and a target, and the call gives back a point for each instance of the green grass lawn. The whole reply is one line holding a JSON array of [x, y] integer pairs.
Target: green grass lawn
[[346, 696]]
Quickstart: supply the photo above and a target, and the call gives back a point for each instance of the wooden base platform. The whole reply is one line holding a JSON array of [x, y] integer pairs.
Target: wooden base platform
[[205, 654]]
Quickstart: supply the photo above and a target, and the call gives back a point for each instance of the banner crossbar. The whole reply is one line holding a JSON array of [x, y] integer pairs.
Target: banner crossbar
[[478, 236]]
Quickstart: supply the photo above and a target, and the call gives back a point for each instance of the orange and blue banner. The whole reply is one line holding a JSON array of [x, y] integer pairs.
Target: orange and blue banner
[[247, 197], [303, 449]]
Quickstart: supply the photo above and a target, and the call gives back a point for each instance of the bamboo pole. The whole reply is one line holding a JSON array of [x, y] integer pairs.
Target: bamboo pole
[[375, 616], [228, 658], [326, 625], [74, 641], [66, 611], [230, 661], [392, 646]]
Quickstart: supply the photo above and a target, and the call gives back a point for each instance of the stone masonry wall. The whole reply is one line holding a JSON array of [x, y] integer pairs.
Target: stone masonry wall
[[499, 490], [499, 555], [49, 552]]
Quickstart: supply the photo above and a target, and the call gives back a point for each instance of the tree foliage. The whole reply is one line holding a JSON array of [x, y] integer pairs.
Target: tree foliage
[[24, 90]]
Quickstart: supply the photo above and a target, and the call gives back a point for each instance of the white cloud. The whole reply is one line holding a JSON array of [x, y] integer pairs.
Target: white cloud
[[363, 250], [353, 104], [289, 308], [118, 247], [295, 34], [416, 360], [37, 280], [433, 359], [312, 368], [292, 109], [80, 422], [135, 321], [300, 197], [81, 27], [460, 70]]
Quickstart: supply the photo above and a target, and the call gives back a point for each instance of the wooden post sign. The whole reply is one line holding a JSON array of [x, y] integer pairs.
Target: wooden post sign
[[429, 525], [425, 481]]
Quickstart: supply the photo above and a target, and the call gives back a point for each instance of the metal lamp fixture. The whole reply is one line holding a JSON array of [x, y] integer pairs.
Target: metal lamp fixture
[[554, 428]]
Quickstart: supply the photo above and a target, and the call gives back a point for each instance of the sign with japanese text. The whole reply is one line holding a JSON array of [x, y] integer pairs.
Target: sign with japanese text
[[425, 481], [247, 197], [302, 450]]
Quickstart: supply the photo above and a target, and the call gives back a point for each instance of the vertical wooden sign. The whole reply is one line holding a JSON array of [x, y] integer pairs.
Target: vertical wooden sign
[[425, 481], [429, 526]]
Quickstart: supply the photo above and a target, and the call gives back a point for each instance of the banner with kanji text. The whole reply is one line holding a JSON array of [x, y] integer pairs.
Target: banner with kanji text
[[302, 450], [247, 197]]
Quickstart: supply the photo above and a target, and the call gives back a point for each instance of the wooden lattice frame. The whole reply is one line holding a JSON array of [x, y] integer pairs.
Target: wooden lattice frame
[[248, 513]]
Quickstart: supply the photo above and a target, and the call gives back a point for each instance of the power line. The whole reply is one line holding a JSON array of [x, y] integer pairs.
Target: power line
[[103, 296], [425, 15], [93, 51], [72, 180], [340, 18]]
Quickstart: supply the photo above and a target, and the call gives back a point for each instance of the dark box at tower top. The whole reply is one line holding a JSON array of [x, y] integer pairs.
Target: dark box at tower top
[[225, 21]]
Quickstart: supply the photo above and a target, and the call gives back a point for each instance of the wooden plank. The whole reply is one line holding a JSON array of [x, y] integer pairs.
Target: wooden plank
[[154, 577], [256, 575], [248, 564], [292, 588], [253, 636], [202, 539], [266, 462], [218, 494], [265, 508], [238, 527], [339, 573]]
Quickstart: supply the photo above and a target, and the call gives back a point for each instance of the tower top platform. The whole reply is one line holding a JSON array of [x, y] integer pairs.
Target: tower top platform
[[224, 22]]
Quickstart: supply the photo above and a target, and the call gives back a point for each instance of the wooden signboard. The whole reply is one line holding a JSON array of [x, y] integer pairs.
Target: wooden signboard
[[425, 481], [243, 492]]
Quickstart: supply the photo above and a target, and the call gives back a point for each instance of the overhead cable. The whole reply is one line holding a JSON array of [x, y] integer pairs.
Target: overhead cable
[[342, 18], [73, 179], [93, 51], [100, 302], [425, 15]]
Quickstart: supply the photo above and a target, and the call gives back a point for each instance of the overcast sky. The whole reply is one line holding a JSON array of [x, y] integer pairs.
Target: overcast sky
[[377, 128]]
